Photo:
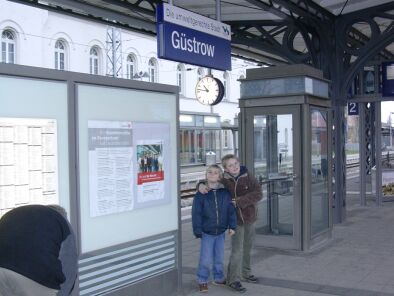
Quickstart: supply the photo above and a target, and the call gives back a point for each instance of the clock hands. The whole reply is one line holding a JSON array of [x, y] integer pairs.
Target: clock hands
[[205, 89]]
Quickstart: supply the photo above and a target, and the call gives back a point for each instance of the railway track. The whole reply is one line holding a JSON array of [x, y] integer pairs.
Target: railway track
[[188, 193], [189, 181]]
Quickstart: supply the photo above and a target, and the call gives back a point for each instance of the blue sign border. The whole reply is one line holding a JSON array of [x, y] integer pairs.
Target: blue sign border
[[182, 44], [190, 46]]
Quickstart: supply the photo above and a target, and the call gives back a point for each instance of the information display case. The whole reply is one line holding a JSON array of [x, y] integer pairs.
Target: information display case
[[106, 150]]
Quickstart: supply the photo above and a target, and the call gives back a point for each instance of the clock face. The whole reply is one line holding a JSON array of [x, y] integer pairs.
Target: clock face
[[209, 90]]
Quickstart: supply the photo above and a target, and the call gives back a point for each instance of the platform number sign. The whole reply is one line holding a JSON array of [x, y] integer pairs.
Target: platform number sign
[[352, 108]]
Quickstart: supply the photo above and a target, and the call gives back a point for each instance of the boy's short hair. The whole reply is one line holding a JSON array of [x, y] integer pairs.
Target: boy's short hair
[[215, 166], [227, 157]]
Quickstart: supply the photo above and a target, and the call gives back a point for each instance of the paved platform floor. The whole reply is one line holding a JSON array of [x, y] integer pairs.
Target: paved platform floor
[[358, 261]]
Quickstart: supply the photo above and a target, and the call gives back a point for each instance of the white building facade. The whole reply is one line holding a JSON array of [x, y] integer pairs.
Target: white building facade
[[40, 38]]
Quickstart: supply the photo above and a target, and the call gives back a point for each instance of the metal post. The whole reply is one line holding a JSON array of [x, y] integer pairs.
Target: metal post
[[218, 11], [363, 142], [391, 137], [114, 52], [378, 154], [218, 18], [108, 51]]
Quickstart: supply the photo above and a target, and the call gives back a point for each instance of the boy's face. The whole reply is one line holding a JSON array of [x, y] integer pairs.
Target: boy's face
[[213, 175], [232, 166]]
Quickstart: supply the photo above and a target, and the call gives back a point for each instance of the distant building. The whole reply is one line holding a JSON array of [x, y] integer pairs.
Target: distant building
[[40, 38]]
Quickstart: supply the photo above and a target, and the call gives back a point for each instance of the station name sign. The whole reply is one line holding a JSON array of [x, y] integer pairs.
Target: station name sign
[[188, 37]]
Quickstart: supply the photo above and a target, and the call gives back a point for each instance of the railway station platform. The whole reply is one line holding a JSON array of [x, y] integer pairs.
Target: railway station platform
[[358, 261]]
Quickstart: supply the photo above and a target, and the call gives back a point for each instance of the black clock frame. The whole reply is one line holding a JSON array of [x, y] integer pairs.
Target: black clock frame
[[221, 92]]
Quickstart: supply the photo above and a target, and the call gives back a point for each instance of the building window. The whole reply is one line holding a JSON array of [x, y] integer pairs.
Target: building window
[[180, 76], [152, 70], [130, 66], [60, 55], [187, 147], [8, 47], [195, 143], [94, 60], [212, 143], [226, 84]]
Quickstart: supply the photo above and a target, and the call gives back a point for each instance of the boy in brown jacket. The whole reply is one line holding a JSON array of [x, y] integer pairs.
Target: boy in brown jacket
[[246, 193]]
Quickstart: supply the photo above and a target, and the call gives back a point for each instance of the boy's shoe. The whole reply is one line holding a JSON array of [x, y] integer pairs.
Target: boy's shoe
[[237, 286], [250, 279], [203, 287], [218, 283]]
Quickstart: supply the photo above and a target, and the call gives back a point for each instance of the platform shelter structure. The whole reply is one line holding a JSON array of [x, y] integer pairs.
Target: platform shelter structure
[[285, 131], [343, 40]]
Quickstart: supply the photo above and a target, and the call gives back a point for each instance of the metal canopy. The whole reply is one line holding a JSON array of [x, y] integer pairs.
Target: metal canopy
[[268, 31]]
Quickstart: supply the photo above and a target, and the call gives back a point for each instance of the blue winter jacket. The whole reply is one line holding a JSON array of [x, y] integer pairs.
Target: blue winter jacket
[[213, 213]]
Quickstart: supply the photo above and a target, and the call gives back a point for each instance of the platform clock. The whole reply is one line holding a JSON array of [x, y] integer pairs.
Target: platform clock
[[209, 90]]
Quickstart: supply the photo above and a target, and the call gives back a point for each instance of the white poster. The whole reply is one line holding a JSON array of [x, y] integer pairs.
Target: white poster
[[150, 182], [28, 162], [110, 167]]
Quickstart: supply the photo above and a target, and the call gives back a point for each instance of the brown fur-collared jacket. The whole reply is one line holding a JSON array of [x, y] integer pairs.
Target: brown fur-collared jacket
[[246, 191]]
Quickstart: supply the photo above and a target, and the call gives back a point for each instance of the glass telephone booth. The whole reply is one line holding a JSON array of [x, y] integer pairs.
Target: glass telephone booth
[[286, 142]]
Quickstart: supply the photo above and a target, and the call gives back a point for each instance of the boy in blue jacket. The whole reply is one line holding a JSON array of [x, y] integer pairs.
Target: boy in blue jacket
[[212, 214]]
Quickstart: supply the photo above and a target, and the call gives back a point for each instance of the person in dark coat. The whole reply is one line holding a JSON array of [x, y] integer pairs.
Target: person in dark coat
[[38, 253]]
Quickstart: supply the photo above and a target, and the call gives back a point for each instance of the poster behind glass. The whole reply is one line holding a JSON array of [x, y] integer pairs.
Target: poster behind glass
[[110, 167], [127, 165], [28, 162]]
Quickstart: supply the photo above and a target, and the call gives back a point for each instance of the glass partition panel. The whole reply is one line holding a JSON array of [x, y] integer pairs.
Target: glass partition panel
[[218, 145], [260, 170], [187, 147], [115, 194], [273, 164], [387, 158], [34, 155], [182, 149], [200, 146], [319, 172], [212, 143]]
